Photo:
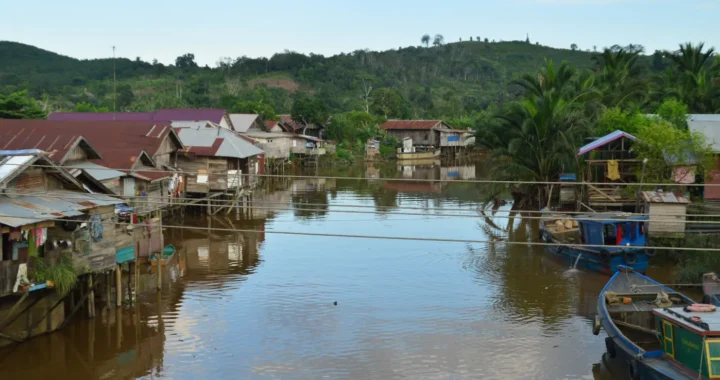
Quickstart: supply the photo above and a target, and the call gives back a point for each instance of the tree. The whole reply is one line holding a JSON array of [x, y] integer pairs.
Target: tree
[[620, 79], [696, 77], [426, 40], [438, 40], [87, 107], [594, 47], [125, 96], [674, 112], [486, 40], [19, 105], [573, 47], [309, 111], [535, 138], [666, 147], [186, 61], [388, 103]]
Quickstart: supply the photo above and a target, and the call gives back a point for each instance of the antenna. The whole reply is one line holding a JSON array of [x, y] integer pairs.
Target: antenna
[[114, 85]]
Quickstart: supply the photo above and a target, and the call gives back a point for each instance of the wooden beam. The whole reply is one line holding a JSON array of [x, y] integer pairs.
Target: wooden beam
[[600, 192]]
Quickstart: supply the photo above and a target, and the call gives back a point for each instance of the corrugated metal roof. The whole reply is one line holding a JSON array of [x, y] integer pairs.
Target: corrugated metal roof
[[12, 164], [211, 114], [709, 126], [411, 124], [119, 142], [604, 140], [217, 142], [664, 197], [99, 172], [28, 209], [101, 116], [242, 121]]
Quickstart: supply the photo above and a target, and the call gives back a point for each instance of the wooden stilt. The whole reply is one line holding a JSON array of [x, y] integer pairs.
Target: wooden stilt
[[91, 297], [118, 285], [108, 297], [129, 282]]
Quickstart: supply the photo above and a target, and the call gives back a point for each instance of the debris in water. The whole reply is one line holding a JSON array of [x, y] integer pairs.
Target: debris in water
[[335, 303]]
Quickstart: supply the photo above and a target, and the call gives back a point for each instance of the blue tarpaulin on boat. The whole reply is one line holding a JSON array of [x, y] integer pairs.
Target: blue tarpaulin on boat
[[124, 255]]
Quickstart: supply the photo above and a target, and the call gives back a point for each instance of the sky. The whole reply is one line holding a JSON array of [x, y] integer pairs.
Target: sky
[[212, 29]]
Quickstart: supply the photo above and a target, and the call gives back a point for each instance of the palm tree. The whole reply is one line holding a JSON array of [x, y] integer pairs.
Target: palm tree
[[426, 40], [697, 78], [620, 79], [536, 137], [438, 40]]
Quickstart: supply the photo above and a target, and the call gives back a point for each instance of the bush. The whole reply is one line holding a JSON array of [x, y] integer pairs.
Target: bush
[[61, 272], [343, 154]]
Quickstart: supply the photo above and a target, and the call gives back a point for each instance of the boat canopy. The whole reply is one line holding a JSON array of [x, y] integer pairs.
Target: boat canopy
[[614, 229]]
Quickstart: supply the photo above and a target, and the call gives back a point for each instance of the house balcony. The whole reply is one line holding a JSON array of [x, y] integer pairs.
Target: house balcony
[[308, 151]]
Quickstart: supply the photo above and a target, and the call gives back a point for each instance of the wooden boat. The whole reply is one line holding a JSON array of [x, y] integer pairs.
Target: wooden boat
[[167, 254], [623, 237], [711, 289], [418, 155], [657, 331]]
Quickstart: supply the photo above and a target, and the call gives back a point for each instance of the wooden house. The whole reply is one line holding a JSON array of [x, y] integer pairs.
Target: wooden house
[[244, 122], [45, 212], [610, 161], [667, 211], [427, 133], [132, 159], [289, 125], [217, 160]]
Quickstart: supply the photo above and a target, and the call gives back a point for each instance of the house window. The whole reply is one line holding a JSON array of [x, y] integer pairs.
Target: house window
[[427, 136]]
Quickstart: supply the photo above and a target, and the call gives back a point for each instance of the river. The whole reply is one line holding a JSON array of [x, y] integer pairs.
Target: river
[[269, 305]]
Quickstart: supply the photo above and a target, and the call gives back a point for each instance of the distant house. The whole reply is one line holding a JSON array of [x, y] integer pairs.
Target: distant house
[[292, 126], [426, 133], [244, 122], [282, 144], [709, 126], [216, 159], [215, 115]]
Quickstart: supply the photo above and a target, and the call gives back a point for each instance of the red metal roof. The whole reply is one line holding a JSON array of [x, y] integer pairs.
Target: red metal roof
[[205, 150], [211, 114], [119, 142], [410, 124]]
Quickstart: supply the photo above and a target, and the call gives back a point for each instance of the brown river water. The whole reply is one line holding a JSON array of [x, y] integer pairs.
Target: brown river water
[[260, 305]]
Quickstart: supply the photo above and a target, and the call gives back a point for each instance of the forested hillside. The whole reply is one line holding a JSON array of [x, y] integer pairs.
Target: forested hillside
[[431, 81]]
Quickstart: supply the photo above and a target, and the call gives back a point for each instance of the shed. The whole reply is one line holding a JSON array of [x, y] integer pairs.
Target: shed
[[568, 189], [372, 149], [667, 211]]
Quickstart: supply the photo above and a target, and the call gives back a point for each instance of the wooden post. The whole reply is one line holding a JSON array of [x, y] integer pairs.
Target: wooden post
[[118, 327], [118, 285], [160, 254], [91, 298], [108, 297], [129, 282]]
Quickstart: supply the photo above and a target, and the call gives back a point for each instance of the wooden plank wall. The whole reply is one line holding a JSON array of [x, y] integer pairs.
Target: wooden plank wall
[[8, 275], [89, 255], [218, 168], [193, 166]]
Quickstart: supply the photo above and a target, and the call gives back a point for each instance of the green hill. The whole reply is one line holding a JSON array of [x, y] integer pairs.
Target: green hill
[[450, 79]]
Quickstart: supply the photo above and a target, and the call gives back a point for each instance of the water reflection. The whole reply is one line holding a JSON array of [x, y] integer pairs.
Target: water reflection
[[261, 305]]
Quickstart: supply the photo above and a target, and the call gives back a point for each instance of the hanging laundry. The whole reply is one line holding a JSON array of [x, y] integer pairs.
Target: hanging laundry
[[40, 236], [613, 171]]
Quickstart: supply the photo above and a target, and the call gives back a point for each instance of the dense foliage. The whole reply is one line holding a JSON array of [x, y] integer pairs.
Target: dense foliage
[[535, 136]]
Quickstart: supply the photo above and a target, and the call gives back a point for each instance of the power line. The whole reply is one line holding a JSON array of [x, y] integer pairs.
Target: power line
[[229, 204], [380, 237], [475, 181]]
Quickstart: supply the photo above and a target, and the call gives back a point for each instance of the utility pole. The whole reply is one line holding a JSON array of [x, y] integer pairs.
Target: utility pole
[[114, 85]]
